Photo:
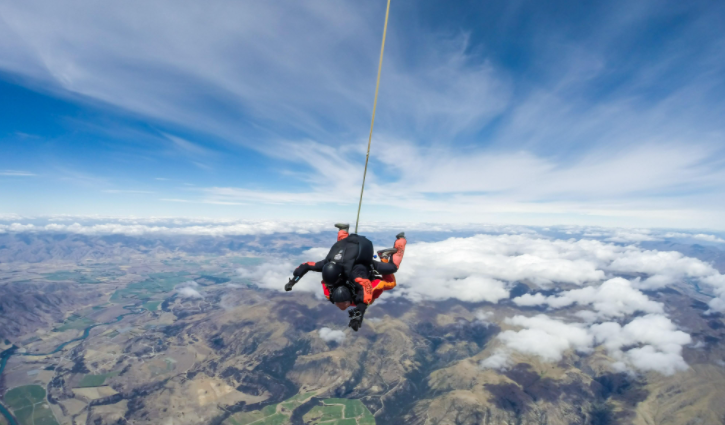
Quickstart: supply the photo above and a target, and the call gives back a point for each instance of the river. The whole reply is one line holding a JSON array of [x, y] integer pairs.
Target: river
[[5, 355]]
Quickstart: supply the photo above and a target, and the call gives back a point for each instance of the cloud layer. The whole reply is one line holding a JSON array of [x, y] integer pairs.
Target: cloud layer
[[545, 337], [647, 343], [485, 267], [593, 285], [599, 309], [612, 299], [150, 227]]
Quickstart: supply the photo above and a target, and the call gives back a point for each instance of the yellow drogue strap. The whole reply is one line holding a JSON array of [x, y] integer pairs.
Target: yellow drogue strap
[[372, 123]]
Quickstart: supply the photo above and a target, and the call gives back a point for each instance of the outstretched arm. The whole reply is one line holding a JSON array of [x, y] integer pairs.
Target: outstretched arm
[[310, 265], [302, 270]]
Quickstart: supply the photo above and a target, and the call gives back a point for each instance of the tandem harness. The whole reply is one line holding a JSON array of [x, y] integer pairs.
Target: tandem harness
[[348, 253]]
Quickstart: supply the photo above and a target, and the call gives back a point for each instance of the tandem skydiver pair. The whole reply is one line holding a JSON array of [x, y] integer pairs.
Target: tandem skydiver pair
[[350, 275]]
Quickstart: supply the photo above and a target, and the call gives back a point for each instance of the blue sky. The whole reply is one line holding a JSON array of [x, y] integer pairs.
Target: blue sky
[[528, 112]]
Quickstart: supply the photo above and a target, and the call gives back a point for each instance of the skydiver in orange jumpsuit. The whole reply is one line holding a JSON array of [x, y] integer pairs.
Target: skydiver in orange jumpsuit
[[363, 282]]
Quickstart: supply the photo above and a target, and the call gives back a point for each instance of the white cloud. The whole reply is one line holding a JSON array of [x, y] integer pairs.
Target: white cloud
[[186, 147], [300, 85], [169, 227], [717, 304], [466, 268], [663, 267], [188, 292], [613, 298], [329, 335], [95, 225], [482, 267], [16, 173], [657, 340], [487, 186], [697, 236], [479, 268], [500, 360], [708, 238], [91, 225], [545, 337], [633, 235], [126, 191], [484, 317], [19, 227], [622, 235], [648, 343], [647, 358], [297, 46], [275, 273]]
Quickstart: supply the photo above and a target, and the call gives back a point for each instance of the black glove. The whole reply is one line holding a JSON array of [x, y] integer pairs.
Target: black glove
[[356, 318], [301, 270], [291, 283]]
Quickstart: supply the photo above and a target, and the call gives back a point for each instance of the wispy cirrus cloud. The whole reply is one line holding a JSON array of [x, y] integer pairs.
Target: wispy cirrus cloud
[[562, 125], [132, 191], [17, 173], [291, 82], [205, 201]]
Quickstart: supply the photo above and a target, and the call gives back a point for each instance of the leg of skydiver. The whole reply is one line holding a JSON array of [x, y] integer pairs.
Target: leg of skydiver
[[400, 243], [343, 232], [390, 263], [384, 267], [387, 280], [360, 277]]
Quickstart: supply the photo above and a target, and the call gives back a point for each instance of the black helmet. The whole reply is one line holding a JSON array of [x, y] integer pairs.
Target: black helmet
[[331, 273], [341, 294]]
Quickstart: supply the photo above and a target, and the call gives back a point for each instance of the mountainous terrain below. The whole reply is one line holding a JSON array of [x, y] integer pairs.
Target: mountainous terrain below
[[121, 330]]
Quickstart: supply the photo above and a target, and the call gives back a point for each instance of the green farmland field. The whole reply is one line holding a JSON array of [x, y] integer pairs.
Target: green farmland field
[[74, 276], [75, 322], [333, 411], [157, 283], [29, 405], [95, 380]]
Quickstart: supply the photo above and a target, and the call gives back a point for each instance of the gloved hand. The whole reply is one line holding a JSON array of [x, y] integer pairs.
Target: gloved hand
[[356, 318], [291, 283]]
